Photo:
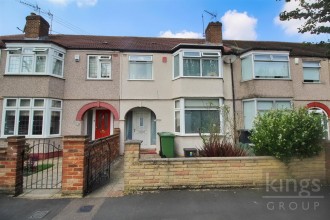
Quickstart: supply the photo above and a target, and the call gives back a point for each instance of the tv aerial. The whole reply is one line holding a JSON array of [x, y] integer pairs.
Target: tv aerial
[[213, 18]]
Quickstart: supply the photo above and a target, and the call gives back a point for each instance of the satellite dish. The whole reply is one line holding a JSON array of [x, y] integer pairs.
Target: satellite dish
[[229, 58]]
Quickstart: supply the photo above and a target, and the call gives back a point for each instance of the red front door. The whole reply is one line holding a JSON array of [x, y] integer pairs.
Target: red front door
[[102, 124]]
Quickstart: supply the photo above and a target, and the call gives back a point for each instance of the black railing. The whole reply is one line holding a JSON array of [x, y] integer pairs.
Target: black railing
[[42, 165]]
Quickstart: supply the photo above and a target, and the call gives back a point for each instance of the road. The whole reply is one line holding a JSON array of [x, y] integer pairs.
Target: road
[[184, 204]]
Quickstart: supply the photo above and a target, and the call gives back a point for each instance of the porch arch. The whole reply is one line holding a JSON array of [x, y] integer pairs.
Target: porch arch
[[319, 105], [83, 109]]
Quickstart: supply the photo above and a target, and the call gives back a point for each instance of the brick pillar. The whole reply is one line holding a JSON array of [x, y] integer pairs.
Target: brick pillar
[[11, 166], [74, 165], [131, 158]]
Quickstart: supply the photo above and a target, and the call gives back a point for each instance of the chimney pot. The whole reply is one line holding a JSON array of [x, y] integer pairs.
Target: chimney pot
[[36, 27], [213, 33]]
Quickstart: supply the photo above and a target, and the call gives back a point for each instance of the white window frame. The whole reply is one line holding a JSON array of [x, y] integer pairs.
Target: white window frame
[[138, 58], [271, 53], [304, 62], [182, 110], [274, 100], [49, 51], [47, 109], [100, 59], [202, 54]]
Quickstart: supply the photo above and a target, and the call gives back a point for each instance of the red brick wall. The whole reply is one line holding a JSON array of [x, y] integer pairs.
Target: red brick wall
[[36, 26], [11, 172]]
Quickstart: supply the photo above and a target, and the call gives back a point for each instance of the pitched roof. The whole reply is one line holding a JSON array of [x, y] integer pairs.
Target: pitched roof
[[167, 45]]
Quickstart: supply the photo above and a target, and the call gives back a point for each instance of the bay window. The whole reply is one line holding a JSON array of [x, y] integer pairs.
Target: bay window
[[259, 106], [34, 60], [32, 117], [257, 65], [197, 115], [188, 63]]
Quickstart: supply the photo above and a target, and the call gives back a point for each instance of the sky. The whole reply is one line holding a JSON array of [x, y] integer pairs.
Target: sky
[[241, 19]]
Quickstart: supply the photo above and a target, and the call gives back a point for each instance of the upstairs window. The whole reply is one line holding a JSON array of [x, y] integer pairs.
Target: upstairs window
[[196, 64], [265, 66], [140, 67], [34, 61], [311, 71], [99, 67]]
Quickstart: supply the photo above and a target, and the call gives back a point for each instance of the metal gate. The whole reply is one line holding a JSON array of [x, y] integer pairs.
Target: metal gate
[[42, 165], [98, 163]]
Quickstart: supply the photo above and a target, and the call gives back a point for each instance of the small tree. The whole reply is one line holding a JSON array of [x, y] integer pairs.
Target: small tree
[[288, 133]]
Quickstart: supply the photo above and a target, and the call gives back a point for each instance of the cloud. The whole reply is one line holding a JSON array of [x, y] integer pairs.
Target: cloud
[[239, 26], [182, 34], [80, 3]]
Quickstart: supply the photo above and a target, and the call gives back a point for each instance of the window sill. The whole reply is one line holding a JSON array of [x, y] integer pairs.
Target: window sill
[[31, 74], [140, 80], [197, 77], [98, 79], [317, 83], [277, 79]]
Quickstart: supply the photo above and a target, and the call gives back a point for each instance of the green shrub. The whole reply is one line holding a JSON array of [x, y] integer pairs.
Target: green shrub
[[288, 133]]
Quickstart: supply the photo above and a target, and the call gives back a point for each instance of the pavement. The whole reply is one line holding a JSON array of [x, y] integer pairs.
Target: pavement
[[173, 204]]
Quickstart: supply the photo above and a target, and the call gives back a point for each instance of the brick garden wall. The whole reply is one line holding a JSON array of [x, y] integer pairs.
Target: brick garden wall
[[171, 173]]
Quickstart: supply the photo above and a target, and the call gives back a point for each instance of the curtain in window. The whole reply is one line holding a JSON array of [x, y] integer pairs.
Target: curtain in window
[[92, 67], [153, 129], [57, 67], [140, 70], [177, 121], [191, 67], [311, 74], [14, 64], [128, 123], [249, 114], [40, 64], [55, 122], [27, 64], [9, 123], [23, 124], [271, 69], [37, 122], [210, 67], [201, 120], [247, 68], [105, 70], [176, 66]]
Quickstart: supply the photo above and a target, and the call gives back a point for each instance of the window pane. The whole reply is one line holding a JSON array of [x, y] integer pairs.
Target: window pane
[[262, 57], [38, 103], [265, 105], [153, 132], [140, 70], [191, 67], [14, 63], [56, 104], [25, 102], [55, 122], [27, 64], [210, 67], [37, 122], [271, 69], [9, 123], [40, 64], [177, 104], [57, 67], [311, 74], [247, 68], [249, 114], [177, 121], [283, 105], [176, 66], [311, 64], [92, 68], [140, 58], [205, 103], [23, 122], [280, 57], [105, 70], [11, 102], [191, 54], [202, 120]]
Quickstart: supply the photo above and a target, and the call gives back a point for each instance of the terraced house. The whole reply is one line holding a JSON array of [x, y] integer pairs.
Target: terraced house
[[57, 85]]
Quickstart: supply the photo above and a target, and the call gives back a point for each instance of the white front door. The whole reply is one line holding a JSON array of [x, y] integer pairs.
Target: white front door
[[141, 126]]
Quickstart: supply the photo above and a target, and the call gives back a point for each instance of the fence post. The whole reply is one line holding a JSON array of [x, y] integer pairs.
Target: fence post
[[74, 165], [11, 166], [327, 162]]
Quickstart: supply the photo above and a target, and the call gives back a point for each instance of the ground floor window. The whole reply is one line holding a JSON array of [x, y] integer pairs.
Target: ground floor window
[[32, 117], [253, 107], [197, 115]]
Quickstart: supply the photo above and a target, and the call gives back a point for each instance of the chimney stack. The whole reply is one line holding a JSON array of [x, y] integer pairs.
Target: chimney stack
[[36, 27], [213, 33]]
